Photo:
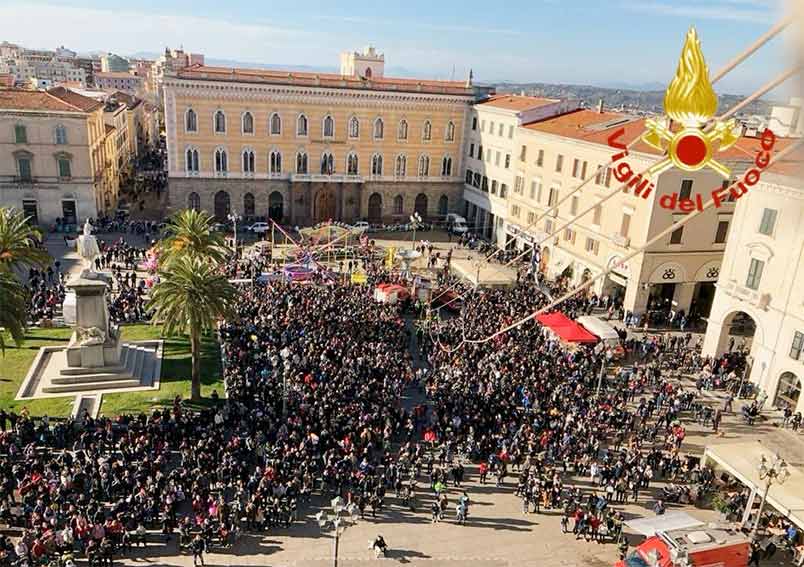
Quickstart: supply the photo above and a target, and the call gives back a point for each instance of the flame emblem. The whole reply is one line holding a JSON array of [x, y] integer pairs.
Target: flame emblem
[[691, 101]]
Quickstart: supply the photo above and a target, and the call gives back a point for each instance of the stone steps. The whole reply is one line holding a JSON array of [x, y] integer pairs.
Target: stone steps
[[115, 384], [104, 376]]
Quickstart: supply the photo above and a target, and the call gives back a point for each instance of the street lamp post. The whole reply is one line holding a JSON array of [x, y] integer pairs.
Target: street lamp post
[[415, 220], [338, 521], [234, 217], [772, 472]]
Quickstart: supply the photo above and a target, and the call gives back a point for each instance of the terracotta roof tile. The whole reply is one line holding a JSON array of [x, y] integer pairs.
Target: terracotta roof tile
[[333, 80], [116, 75], [517, 102], [21, 99], [77, 101]]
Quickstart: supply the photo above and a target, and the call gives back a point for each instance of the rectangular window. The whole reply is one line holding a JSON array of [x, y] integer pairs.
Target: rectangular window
[[474, 122], [675, 236], [503, 190], [500, 129], [553, 198], [471, 150], [608, 177], [485, 184], [24, 167], [754, 274], [583, 171], [559, 163], [519, 185], [539, 192], [482, 125], [768, 222], [548, 226], [491, 127], [497, 158], [722, 232], [488, 156], [532, 189], [476, 181], [64, 168], [523, 152], [576, 167], [540, 158], [597, 213], [730, 198], [515, 210], [493, 186], [686, 189], [569, 235], [510, 132], [507, 161], [531, 218], [625, 225], [601, 172], [30, 210], [20, 134], [574, 205], [797, 346], [592, 246], [468, 176]]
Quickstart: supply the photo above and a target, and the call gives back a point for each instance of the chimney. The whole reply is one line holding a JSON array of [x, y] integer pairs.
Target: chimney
[[600, 106]]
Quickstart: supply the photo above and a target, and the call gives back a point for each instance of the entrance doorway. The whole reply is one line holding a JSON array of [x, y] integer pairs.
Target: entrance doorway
[[661, 296], [375, 208], [702, 299], [222, 206], [325, 206], [788, 392], [276, 206]]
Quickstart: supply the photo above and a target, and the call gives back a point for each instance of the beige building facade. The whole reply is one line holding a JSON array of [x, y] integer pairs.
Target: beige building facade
[[550, 157], [303, 148], [759, 296], [52, 155]]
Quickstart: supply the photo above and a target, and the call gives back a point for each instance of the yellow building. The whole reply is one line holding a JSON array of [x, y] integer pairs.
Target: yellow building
[[52, 155], [307, 147]]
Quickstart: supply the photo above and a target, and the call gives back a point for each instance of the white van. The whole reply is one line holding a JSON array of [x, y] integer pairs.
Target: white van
[[456, 224]]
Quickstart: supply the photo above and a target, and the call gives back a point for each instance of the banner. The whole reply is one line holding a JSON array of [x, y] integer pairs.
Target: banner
[[389, 258], [359, 278]]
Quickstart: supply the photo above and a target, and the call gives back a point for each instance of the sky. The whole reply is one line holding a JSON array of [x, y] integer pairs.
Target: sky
[[598, 42]]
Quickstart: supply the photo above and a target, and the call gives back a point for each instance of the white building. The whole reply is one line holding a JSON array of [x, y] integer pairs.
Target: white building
[[368, 64], [760, 286], [787, 120], [27, 64]]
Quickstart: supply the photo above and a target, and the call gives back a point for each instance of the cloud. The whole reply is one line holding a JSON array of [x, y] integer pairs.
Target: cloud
[[754, 11]]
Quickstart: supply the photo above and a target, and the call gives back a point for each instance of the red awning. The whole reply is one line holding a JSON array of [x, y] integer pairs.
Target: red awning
[[566, 328]]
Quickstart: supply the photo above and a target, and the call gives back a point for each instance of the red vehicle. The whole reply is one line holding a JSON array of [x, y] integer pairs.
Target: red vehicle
[[691, 547]]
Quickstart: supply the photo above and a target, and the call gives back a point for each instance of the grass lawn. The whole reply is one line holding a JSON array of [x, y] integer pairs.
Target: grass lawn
[[176, 369]]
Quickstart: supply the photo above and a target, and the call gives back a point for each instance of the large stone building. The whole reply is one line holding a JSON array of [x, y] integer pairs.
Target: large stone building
[[49, 66], [307, 147], [759, 296], [120, 81], [524, 155], [53, 155]]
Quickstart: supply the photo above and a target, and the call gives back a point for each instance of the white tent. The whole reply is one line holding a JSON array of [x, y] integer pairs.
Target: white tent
[[599, 328], [741, 460], [671, 521]]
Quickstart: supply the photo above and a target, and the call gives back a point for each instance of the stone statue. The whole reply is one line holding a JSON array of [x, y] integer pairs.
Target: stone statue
[[88, 246], [88, 336]]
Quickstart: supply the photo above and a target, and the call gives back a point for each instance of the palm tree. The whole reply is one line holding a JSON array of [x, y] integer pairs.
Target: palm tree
[[18, 250], [190, 232], [18, 242], [14, 312], [190, 296]]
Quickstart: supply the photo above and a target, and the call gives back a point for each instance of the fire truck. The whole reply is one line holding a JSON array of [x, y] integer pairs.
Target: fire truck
[[698, 546]]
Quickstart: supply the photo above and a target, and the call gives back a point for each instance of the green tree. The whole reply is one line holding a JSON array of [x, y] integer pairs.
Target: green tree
[[190, 296], [18, 250], [189, 232]]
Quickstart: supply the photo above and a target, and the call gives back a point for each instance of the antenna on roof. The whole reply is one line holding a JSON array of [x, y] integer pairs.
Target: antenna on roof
[[452, 76]]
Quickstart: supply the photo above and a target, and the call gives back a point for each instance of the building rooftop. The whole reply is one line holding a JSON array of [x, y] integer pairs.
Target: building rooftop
[[58, 99], [516, 102], [116, 75], [331, 80], [596, 127]]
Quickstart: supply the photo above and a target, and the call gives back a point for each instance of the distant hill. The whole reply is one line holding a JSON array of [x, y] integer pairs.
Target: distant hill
[[629, 100]]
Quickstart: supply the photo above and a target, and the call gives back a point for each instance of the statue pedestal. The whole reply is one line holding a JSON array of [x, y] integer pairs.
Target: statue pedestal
[[94, 343]]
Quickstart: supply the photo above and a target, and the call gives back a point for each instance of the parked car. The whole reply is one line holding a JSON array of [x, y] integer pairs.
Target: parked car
[[362, 226], [259, 227], [456, 224]]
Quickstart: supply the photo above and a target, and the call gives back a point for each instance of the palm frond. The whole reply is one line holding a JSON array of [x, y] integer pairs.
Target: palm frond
[[18, 242], [190, 232], [13, 309]]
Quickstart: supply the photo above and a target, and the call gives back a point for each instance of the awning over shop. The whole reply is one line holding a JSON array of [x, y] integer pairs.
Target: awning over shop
[[599, 328], [741, 460], [649, 525], [566, 328]]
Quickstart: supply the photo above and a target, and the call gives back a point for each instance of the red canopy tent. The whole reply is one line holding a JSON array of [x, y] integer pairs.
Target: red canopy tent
[[566, 328]]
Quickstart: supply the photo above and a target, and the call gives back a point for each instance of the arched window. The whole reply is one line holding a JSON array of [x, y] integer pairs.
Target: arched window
[[450, 132], [351, 164], [401, 166], [276, 125], [191, 160], [248, 205], [248, 123], [276, 206], [420, 206], [375, 207], [275, 162], [446, 166], [221, 161], [402, 131], [194, 201], [399, 205], [376, 164], [354, 127], [329, 126], [788, 392], [367, 74], [248, 161], [301, 163], [220, 122], [191, 121], [222, 205], [378, 129], [424, 166], [443, 205], [427, 131], [301, 125], [327, 163], [61, 135]]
